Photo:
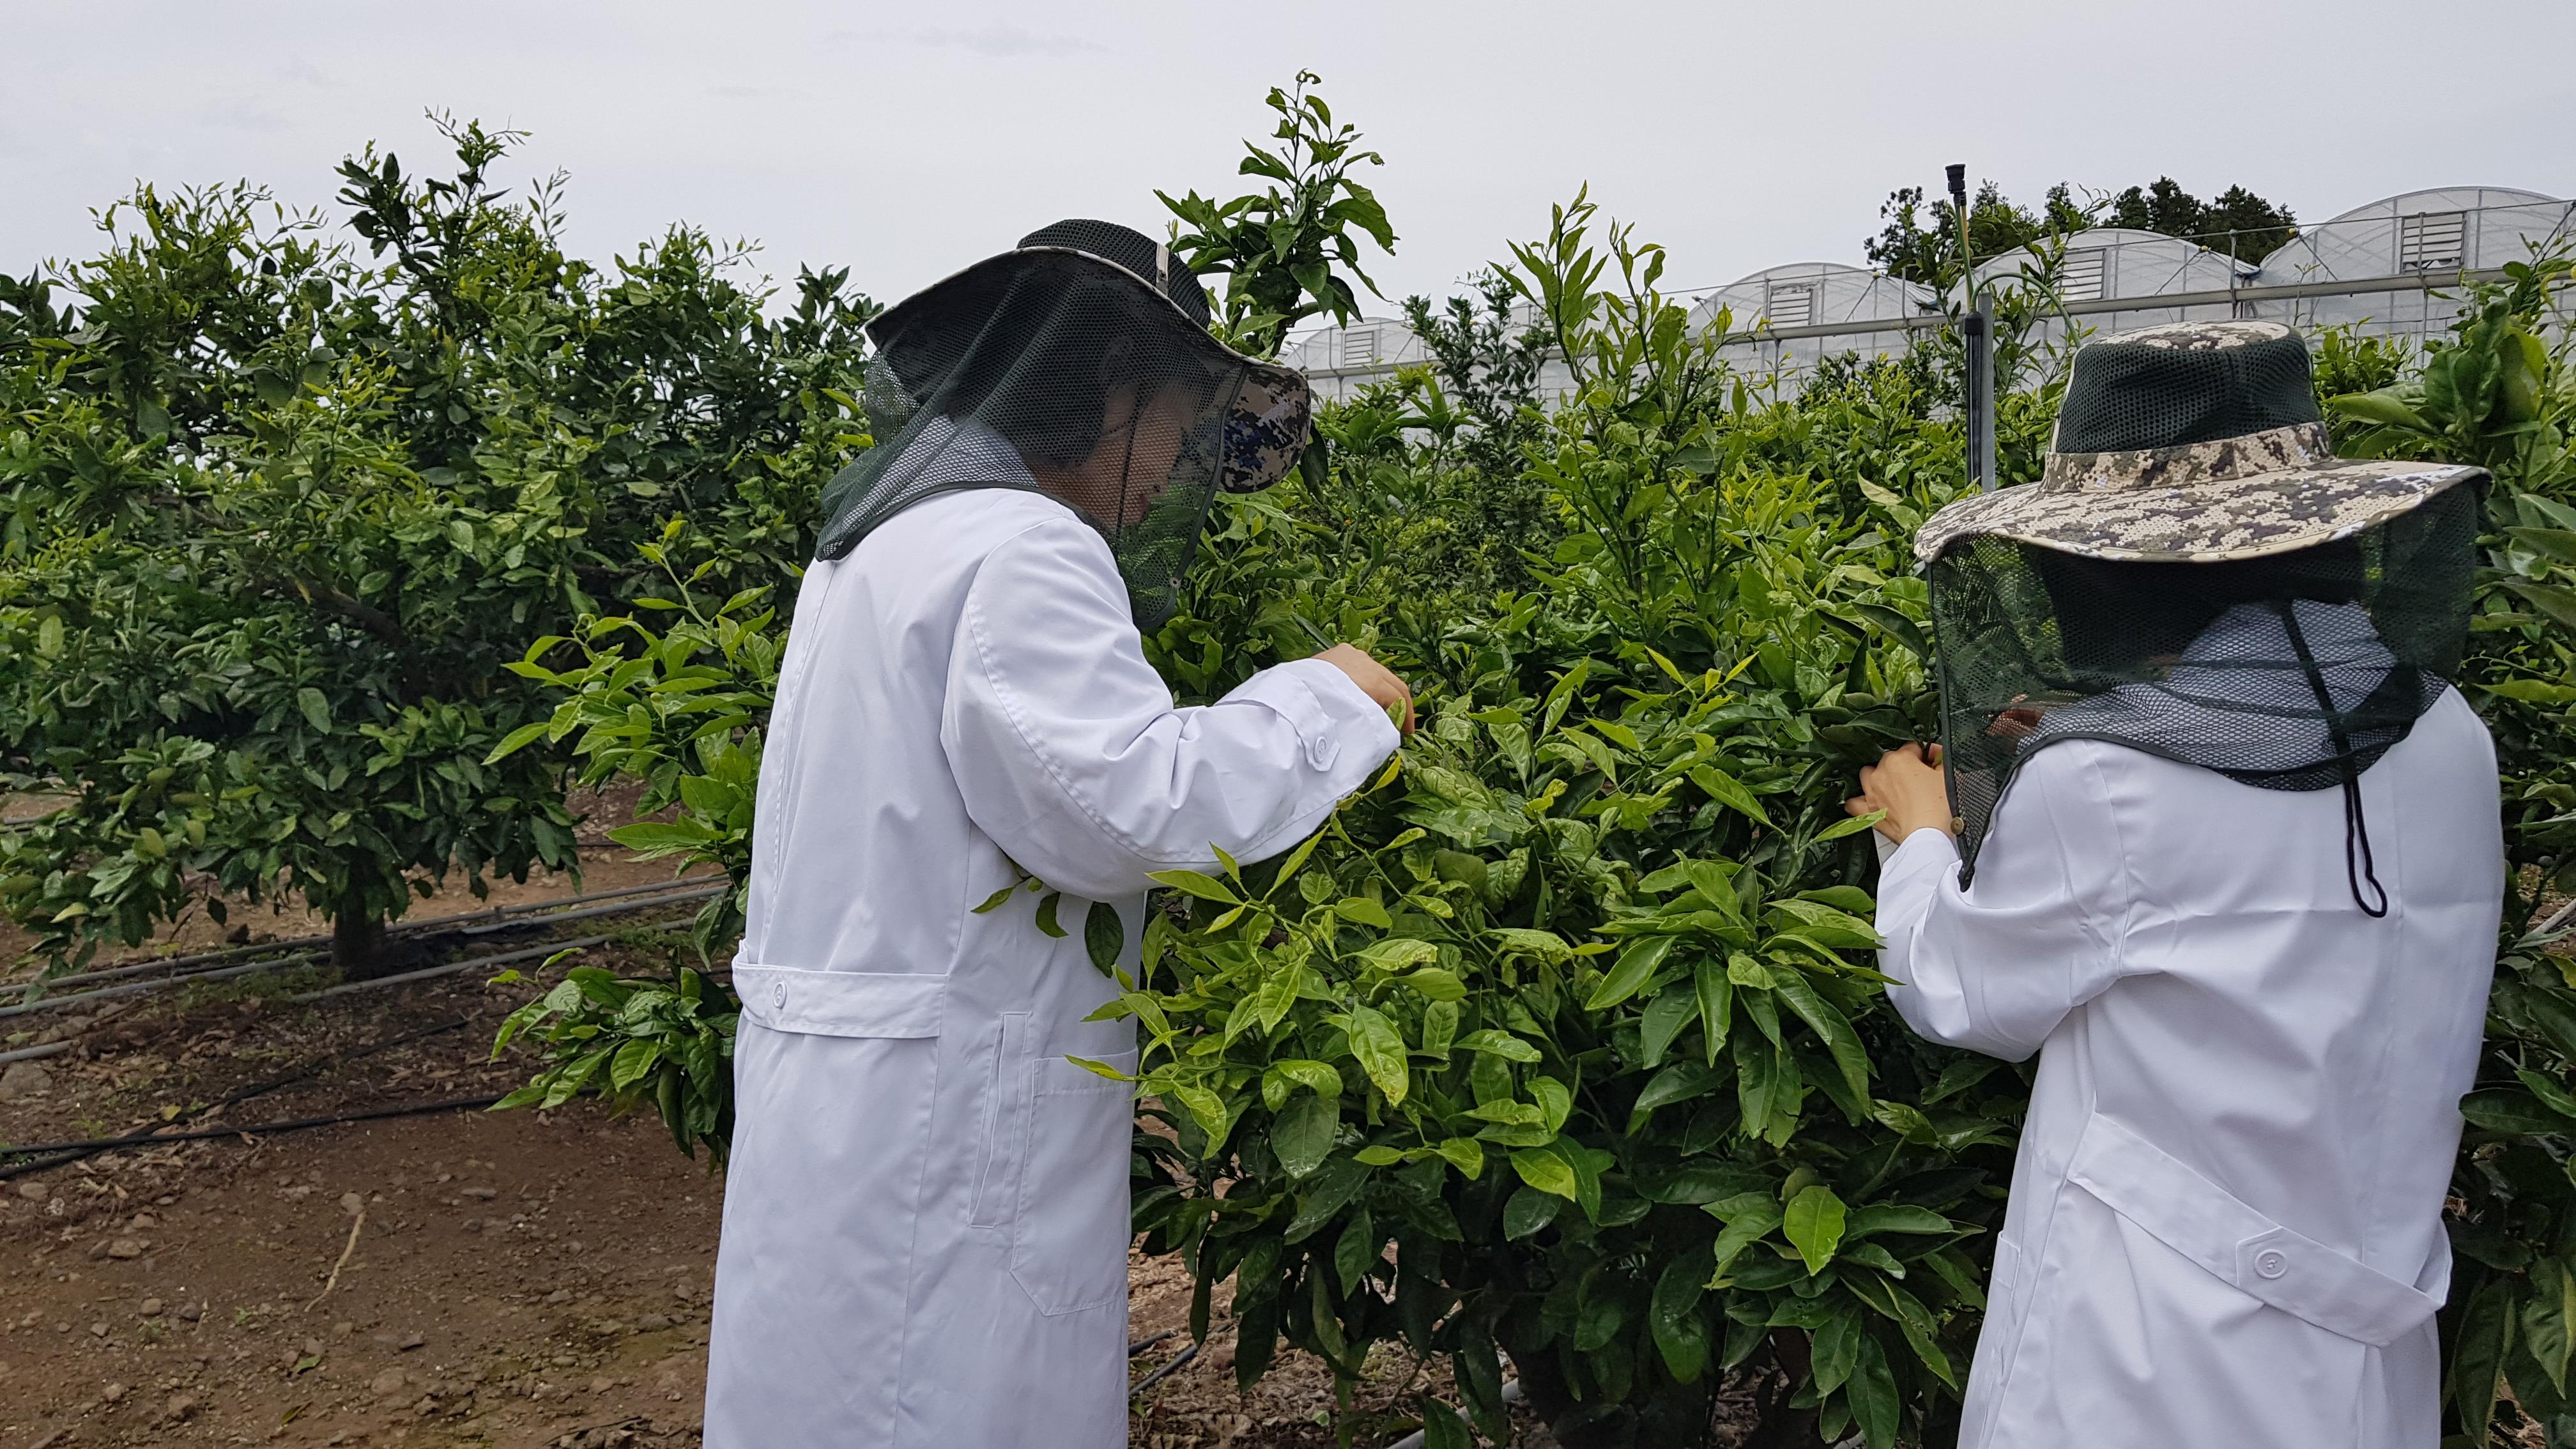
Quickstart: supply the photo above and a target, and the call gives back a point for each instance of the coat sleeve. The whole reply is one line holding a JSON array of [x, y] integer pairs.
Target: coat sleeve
[[1070, 754], [1996, 967]]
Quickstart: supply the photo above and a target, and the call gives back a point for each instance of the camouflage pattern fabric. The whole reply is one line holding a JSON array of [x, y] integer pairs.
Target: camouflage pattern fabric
[[2273, 450], [1266, 429], [2201, 336], [2204, 522], [2268, 491]]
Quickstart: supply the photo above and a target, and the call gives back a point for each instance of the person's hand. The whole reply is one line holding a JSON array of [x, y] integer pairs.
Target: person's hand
[[1374, 679], [1907, 784]]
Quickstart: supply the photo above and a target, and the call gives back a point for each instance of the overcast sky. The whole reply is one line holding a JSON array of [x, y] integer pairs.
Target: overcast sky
[[903, 141]]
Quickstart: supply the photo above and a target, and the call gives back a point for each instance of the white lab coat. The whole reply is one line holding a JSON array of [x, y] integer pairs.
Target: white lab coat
[[2225, 1221], [925, 1221]]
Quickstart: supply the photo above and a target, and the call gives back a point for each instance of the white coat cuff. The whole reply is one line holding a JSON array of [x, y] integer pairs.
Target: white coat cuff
[[1342, 734]]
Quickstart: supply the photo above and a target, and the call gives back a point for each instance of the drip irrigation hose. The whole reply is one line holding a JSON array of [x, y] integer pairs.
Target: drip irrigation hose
[[29, 1054], [453, 967], [157, 983], [471, 923], [1178, 1362], [69, 1151], [144, 1136]]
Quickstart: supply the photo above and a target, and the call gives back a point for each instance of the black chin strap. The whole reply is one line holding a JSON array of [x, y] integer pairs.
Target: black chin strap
[[2357, 863]]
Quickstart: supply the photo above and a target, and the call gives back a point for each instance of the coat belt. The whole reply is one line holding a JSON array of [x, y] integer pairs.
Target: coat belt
[[898, 1004], [2214, 1228]]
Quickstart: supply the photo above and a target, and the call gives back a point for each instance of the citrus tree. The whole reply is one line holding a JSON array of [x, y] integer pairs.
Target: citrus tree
[[1561, 1042], [282, 507]]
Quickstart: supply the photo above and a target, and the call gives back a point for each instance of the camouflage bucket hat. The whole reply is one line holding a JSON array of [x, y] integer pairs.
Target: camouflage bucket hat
[[2193, 442], [1271, 415]]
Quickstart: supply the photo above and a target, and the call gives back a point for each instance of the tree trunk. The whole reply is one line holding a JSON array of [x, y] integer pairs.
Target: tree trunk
[[358, 943], [1780, 1426]]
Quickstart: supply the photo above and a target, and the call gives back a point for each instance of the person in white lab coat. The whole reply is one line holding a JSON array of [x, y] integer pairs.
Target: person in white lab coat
[[926, 1214], [2219, 844]]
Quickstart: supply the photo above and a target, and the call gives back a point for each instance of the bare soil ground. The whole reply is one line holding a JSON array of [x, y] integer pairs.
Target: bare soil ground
[[457, 1276]]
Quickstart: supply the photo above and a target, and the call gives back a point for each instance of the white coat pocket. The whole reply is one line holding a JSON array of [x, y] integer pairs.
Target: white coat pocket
[[1056, 1169]]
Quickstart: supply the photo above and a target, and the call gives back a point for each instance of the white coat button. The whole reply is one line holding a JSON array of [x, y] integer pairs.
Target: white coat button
[[778, 994], [2270, 1263], [1321, 752]]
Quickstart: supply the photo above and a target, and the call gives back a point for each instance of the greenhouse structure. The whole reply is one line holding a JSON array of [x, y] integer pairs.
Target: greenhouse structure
[[2392, 268]]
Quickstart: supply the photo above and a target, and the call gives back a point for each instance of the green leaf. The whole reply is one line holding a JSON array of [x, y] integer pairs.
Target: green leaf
[[1813, 1224], [1361, 910], [1443, 1429], [1534, 943], [2558, 603], [1792, 986], [2502, 1109], [1635, 968], [1360, 1247], [1501, 1043], [1396, 953], [994, 901], [2551, 1093], [1380, 1051], [1527, 1210], [1723, 788], [1302, 1132], [632, 1061], [1836, 1348], [1893, 1218], [2547, 1319], [1434, 983], [1681, 1330], [1716, 993], [2476, 1367], [1104, 935], [1463, 1153], [2384, 407], [1555, 1101], [317, 710], [510, 742], [1679, 1082], [1046, 915], [1328, 1192], [1671, 1010], [1545, 1171], [1851, 825], [1872, 1395], [1190, 882], [1898, 627], [1748, 1217]]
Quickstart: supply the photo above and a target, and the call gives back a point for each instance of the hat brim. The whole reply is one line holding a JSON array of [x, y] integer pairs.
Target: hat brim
[[1272, 413], [2207, 521]]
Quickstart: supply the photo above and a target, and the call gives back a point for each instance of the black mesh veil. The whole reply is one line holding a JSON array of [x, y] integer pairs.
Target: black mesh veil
[[2293, 671], [1055, 369]]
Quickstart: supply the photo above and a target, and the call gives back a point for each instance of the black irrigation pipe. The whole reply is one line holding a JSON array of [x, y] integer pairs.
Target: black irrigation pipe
[[69, 1151], [1179, 1362], [145, 1136], [157, 983], [453, 967], [1142, 1344], [471, 923]]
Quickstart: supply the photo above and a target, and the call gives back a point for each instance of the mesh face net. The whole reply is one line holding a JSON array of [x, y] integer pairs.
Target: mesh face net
[[1055, 370], [2290, 672]]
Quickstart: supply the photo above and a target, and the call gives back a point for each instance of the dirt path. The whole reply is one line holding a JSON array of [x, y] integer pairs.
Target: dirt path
[[512, 1279]]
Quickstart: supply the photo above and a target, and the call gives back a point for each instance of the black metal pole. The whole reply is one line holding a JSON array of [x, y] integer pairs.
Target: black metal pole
[[1977, 344]]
